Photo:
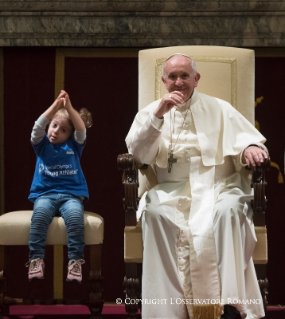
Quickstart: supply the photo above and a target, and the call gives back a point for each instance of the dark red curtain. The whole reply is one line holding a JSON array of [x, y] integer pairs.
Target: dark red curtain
[[270, 113]]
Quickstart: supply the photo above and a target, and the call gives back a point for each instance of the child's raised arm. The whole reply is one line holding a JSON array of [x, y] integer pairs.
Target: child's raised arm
[[50, 112], [73, 114], [39, 127]]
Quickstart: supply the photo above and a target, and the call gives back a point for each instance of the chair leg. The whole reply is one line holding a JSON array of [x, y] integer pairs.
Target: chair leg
[[2, 282], [3, 307], [95, 282], [263, 283], [132, 286]]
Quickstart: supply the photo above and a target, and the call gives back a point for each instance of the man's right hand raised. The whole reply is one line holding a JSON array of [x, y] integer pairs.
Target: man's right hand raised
[[168, 101]]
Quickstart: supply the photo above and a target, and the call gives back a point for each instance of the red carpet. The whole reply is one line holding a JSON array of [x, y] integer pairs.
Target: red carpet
[[109, 311], [64, 312], [276, 312]]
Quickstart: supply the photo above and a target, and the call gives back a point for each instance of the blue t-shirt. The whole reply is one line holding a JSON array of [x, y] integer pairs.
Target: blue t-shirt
[[58, 169]]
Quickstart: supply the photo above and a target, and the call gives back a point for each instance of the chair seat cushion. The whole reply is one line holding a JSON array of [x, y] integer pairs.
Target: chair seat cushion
[[133, 245], [260, 254], [15, 229]]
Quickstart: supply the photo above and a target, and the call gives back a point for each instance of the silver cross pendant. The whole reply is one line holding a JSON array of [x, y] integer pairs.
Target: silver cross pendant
[[171, 160]]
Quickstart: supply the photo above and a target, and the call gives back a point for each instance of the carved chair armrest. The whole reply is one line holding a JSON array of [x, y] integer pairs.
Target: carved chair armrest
[[130, 165], [258, 184], [128, 162]]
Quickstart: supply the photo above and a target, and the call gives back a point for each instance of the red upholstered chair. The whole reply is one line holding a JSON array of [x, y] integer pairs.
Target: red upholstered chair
[[14, 230], [227, 73]]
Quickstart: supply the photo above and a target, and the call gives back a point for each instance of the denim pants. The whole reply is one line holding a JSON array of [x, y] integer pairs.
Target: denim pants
[[46, 207]]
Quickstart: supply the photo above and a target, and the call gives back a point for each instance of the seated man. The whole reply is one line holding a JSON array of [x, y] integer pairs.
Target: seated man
[[197, 225]]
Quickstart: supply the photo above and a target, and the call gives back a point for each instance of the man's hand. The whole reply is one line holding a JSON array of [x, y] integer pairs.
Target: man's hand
[[168, 101], [253, 155]]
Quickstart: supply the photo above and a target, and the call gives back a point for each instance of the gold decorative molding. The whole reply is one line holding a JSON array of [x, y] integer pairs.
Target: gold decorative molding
[[2, 171], [59, 73], [58, 272], [61, 54], [280, 176], [233, 64]]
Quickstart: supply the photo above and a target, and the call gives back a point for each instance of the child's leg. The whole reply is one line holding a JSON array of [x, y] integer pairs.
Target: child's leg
[[72, 211], [45, 208]]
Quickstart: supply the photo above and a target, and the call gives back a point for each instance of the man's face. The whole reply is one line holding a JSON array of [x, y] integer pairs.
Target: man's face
[[179, 76]]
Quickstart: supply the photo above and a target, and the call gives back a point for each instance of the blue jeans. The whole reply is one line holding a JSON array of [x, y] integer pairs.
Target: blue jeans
[[46, 207]]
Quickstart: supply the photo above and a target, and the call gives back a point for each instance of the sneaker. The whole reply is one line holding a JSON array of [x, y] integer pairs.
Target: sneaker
[[74, 271], [36, 268]]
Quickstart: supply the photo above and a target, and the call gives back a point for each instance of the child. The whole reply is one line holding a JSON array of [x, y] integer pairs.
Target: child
[[59, 186]]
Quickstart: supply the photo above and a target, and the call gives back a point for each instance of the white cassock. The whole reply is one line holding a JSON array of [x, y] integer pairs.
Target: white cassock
[[197, 225]]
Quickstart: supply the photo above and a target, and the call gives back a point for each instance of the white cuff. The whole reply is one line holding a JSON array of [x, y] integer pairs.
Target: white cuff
[[80, 136], [156, 122]]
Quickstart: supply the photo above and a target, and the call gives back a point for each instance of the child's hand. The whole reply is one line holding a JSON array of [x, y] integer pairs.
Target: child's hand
[[58, 101], [50, 112], [66, 102], [73, 114]]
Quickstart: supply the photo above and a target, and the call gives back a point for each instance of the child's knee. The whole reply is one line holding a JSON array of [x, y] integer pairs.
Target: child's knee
[[42, 214]]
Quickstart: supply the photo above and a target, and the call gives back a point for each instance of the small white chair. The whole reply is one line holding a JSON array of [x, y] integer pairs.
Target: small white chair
[[15, 229]]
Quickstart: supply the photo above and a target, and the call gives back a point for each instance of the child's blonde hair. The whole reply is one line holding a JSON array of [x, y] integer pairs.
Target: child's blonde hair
[[84, 114]]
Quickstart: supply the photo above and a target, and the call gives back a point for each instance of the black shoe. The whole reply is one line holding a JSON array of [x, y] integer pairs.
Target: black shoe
[[229, 312]]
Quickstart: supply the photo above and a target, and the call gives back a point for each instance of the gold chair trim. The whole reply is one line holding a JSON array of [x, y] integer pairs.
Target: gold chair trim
[[58, 272]]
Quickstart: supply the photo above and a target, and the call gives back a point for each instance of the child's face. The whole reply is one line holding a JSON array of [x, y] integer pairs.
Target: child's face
[[59, 130]]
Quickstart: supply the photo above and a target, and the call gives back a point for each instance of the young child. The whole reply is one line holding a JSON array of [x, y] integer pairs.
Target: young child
[[59, 186]]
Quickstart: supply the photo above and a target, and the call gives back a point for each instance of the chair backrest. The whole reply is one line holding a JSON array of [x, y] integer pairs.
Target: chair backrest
[[226, 73]]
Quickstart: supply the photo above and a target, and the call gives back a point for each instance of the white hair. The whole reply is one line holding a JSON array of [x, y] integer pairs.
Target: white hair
[[193, 64]]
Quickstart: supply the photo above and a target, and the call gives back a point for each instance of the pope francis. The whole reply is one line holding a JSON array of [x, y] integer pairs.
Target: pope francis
[[198, 233]]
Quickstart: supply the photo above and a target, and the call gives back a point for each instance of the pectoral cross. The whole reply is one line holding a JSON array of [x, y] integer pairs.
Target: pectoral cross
[[171, 160]]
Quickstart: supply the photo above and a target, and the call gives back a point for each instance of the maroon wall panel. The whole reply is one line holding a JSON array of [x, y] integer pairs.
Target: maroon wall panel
[[28, 89]]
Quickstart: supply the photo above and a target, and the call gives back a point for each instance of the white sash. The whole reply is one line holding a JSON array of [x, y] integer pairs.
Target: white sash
[[203, 257]]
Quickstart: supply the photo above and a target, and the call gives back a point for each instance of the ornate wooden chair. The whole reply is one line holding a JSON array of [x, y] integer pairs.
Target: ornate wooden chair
[[14, 230], [227, 73]]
